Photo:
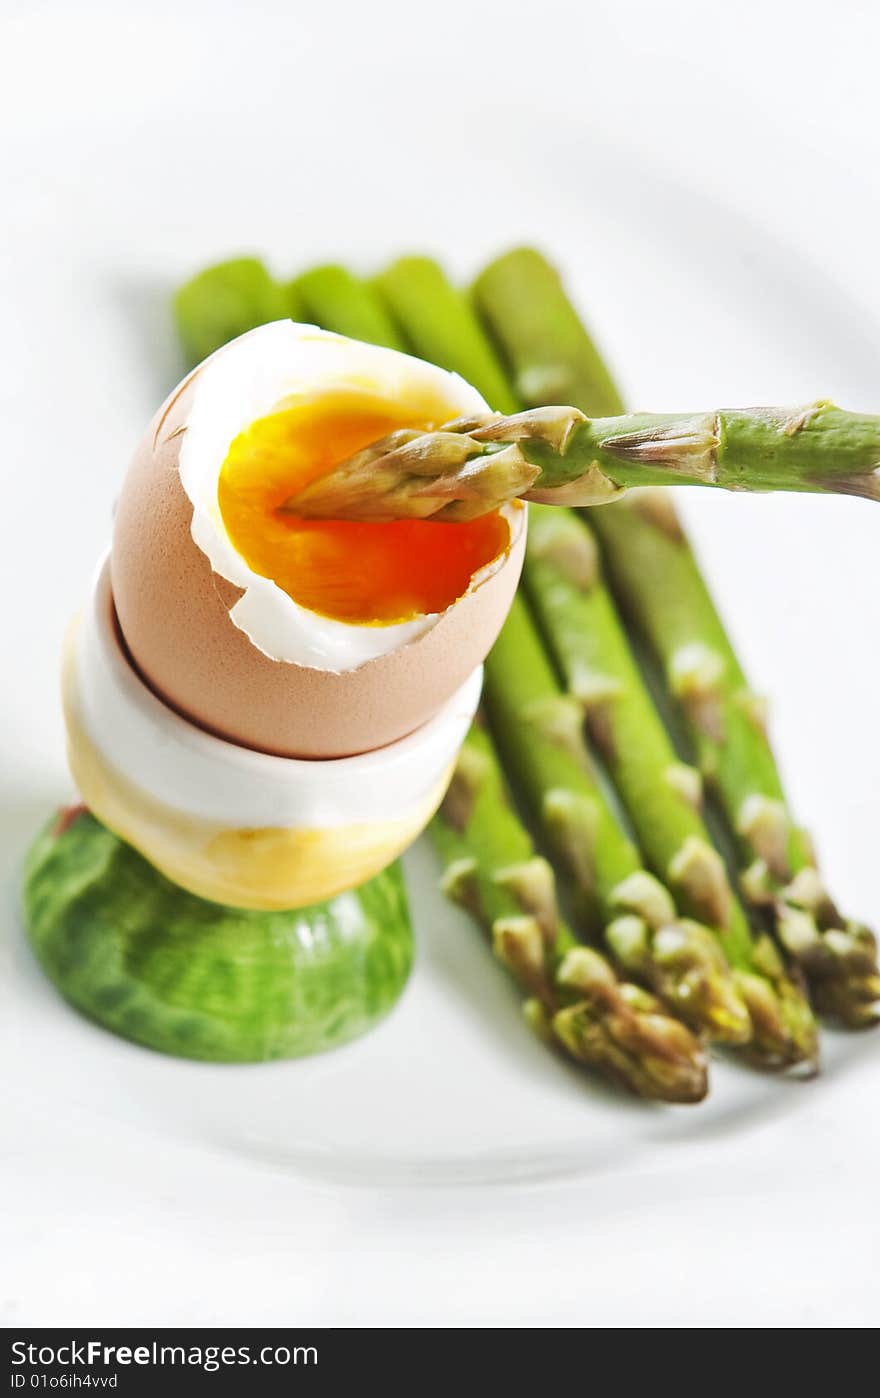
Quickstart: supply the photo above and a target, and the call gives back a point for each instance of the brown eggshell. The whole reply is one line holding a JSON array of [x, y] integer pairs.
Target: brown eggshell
[[174, 614]]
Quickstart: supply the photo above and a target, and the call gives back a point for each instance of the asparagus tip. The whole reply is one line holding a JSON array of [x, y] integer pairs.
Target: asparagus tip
[[785, 1035], [684, 964], [838, 958], [651, 1054], [699, 871], [854, 1000]]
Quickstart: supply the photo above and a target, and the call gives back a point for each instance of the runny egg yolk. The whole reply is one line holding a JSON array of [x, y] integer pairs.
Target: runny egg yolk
[[355, 572]]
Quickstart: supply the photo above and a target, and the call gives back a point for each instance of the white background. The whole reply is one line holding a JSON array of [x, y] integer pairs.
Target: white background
[[750, 131]]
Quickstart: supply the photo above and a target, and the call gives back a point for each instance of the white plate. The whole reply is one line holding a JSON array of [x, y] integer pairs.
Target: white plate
[[694, 306]]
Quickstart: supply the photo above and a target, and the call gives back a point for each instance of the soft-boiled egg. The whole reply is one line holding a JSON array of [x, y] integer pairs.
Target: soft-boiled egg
[[296, 637], [230, 824]]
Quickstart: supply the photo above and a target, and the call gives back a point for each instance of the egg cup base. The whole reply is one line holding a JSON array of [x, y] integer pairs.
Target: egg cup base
[[156, 965]]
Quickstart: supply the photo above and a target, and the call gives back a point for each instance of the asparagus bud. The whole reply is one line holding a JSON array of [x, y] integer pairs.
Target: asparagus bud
[[557, 455]]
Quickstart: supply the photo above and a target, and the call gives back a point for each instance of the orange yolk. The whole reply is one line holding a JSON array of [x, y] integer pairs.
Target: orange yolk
[[351, 571]]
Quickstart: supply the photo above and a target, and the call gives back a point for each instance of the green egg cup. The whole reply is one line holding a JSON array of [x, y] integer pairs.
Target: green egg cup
[[177, 973]]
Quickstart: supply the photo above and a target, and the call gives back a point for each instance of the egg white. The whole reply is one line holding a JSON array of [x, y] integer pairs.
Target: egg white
[[265, 371]]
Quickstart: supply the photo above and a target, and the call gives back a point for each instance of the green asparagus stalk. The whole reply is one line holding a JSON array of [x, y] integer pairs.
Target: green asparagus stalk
[[661, 794], [331, 295], [548, 354], [657, 581], [557, 455], [576, 1000], [785, 1031], [635, 916], [527, 710], [659, 584], [411, 288], [226, 300]]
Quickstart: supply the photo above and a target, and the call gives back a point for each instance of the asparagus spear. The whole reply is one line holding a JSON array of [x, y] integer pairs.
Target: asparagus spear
[[662, 795], [411, 287], [559, 456], [676, 957], [576, 1001], [725, 722], [330, 295], [556, 454], [527, 708], [786, 1030], [226, 300], [657, 580]]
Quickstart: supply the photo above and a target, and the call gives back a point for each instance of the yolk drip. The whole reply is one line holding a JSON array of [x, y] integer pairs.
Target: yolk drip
[[351, 571]]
